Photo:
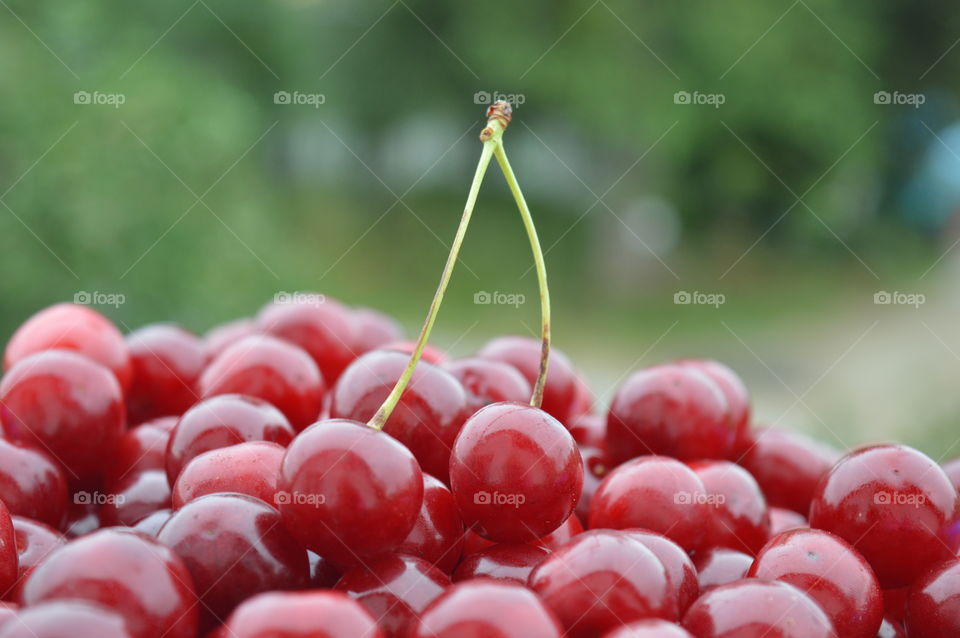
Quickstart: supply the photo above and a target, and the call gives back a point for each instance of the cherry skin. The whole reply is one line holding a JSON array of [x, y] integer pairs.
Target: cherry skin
[[891, 629], [129, 572], [350, 492], [437, 536], [141, 448], [269, 369], [649, 629], [428, 415], [740, 517], [680, 569], [31, 483], [732, 387], [831, 572], [34, 542], [395, 590], [933, 603], [487, 381], [135, 497], [80, 329], [595, 469], [8, 611], [562, 535], [221, 421], [515, 473], [306, 614], [655, 493], [323, 575], [501, 562], [152, 523], [250, 468], [66, 619], [886, 498], [83, 515], [431, 353], [582, 403], [66, 405], [371, 329], [234, 547], [753, 608], [589, 430], [782, 520], [720, 566], [675, 410], [484, 608], [221, 337], [9, 560], [167, 362]]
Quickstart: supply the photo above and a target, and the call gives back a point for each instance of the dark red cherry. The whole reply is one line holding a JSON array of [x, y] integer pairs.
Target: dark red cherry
[[152, 523], [485, 608], [66, 619], [732, 387], [884, 500], [323, 575], [782, 520], [437, 536], [891, 629], [675, 410], [34, 542], [66, 405], [655, 493], [757, 608], [306, 614], [720, 566], [831, 572], [515, 473], [270, 369], [487, 381], [680, 569], [740, 519], [501, 562], [141, 448], [560, 536], [595, 469], [32, 484], [234, 547], [371, 329], [350, 492], [895, 603], [135, 497], [933, 603], [395, 590], [9, 559], [221, 421], [431, 353], [473, 542], [428, 415], [649, 629], [129, 572], [68, 326], [221, 337], [167, 362], [250, 468], [589, 430]]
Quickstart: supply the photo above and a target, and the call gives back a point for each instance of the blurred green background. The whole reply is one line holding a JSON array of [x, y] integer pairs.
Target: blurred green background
[[798, 159]]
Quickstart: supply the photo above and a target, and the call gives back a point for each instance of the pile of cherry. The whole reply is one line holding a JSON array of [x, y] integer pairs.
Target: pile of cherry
[[163, 485]]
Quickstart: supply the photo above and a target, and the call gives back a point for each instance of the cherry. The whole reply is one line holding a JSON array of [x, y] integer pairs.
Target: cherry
[[891, 629], [221, 421], [9, 569], [8, 611], [933, 603], [67, 405], [135, 497], [720, 566], [167, 362], [234, 547], [350, 492], [307, 614], [473, 542], [589, 430], [66, 619], [152, 523], [673, 409], [68, 326], [395, 590], [83, 515], [487, 381], [582, 404], [886, 498], [141, 448], [895, 603], [250, 468], [371, 329], [129, 572], [560, 536], [31, 483], [34, 541], [680, 569], [649, 629], [501, 562], [323, 575], [515, 472], [831, 572], [782, 520], [270, 369], [732, 387], [437, 536], [485, 608], [431, 354], [952, 469], [225, 335], [595, 469], [428, 415], [655, 493], [740, 518], [754, 608]]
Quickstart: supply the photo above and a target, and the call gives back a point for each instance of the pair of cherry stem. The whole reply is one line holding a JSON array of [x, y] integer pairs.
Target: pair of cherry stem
[[499, 116]]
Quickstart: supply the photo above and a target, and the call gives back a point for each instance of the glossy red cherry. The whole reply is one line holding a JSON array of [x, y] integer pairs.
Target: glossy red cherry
[[371, 329], [83, 515], [135, 497], [883, 500], [756, 607], [720, 566], [8, 611], [675, 410], [501, 562], [680, 569], [34, 542], [221, 421], [431, 353], [831, 572], [395, 590], [323, 575], [740, 519], [515, 473], [167, 362], [428, 415], [152, 523], [306, 614], [437, 536], [269, 369], [221, 337], [891, 629], [66, 619], [9, 560], [732, 387], [68, 326], [141, 448], [485, 608], [655, 493], [350, 492], [589, 430], [66, 405], [31, 483], [649, 629], [487, 381], [782, 520], [933, 603], [234, 547], [560, 536], [583, 402], [595, 469], [895, 603], [129, 572], [250, 468]]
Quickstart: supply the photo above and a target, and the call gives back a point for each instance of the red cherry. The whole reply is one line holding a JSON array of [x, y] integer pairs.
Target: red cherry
[[83, 515], [649, 629], [8, 611], [754, 607], [135, 497], [501, 562], [582, 404], [222, 421], [933, 603], [371, 329], [655, 493], [740, 517], [234, 547], [680, 569], [34, 542], [152, 523], [782, 520], [395, 590], [831, 572], [66, 619], [67, 405], [9, 560], [487, 381], [437, 536], [732, 387], [250, 468], [891, 629], [720, 566], [68, 326], [428, 415], [349, 491], [595, 469], [589, 430], [515, 473], [141, 448], [31, 483], [560, 536], [129, 572], [484, 608], [431, 354], [323, 575], [225, 335], [473, 542], [167, 362], [884, 499], [895, 603], [307, 614], [952, 469], [269, 369]]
